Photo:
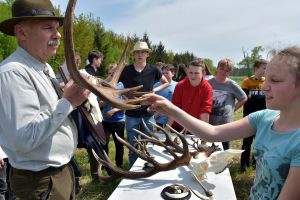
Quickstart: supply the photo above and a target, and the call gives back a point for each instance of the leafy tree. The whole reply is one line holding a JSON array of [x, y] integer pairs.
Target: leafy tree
[[177, 59], [8, 44], [9, 2], [159, 54], [187, 57], [100, 42], [171, 56], [84, 36], [116, 46], [248, 61], [135, 38], [147, 40], [211, 66], [184, 58]]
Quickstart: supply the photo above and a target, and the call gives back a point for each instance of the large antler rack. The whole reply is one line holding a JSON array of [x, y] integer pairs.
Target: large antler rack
[[180, 152], [179, 160], [105, 90]]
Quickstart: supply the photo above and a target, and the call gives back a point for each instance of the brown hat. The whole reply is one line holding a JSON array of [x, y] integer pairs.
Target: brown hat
[[29, 9]]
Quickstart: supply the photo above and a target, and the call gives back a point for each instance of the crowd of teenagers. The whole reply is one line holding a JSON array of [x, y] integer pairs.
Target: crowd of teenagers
[[39, 129]]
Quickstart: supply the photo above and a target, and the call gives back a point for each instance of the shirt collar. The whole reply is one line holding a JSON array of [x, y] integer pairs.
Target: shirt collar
[[31, 61]]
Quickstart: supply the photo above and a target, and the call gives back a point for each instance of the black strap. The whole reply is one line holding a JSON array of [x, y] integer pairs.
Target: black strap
[[96, 129], [55, 85]]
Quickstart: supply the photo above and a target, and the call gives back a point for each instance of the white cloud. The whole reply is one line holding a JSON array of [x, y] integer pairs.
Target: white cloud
[[213, 29]]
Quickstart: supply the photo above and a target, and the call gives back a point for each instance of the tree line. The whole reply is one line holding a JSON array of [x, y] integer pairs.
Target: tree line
[[90, 34]]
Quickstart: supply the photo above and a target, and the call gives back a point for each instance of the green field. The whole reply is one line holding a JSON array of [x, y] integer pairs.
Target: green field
[[238, 79]]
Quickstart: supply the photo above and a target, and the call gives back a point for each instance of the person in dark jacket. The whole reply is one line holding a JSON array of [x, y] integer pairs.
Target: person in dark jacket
[[140, 73], [252, 86], [95, 59]]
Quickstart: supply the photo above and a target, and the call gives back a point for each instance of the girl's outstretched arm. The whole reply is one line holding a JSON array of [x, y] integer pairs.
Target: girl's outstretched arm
[[231, 131]]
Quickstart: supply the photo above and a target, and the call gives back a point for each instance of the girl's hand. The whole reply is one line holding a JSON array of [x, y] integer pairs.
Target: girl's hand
[[158, 104]]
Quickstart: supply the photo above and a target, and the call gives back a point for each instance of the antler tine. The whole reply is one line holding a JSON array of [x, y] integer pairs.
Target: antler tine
[[172, 129], [130, 93], [136, 100], [185, 145], [157, 142], [148, 130], [168, 141], [200, 147], [133, 149], [107, 94], [145, 137], [183, 159], [68, 38], [113, 80], [108, 164], [119, 173]]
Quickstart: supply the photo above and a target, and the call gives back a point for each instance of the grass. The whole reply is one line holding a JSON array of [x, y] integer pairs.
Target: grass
[[92, 190], [238, 79]]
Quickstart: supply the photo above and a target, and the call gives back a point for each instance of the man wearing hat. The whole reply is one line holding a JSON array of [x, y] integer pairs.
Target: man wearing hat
[[36, 132], [140, 73]]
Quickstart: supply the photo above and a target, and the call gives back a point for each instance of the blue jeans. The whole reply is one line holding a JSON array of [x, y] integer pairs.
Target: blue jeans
[[134, 122]]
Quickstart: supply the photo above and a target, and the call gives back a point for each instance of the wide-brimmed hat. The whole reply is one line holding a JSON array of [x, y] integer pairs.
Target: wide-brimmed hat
[[141, 46], [29, 9]]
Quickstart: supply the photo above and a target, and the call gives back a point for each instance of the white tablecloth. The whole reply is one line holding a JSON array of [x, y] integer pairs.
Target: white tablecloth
[[150, 188]]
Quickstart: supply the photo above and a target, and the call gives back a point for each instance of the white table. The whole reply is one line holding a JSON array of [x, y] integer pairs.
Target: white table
[[150, 188]]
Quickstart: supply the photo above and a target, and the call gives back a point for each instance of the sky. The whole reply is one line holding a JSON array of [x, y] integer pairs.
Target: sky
[[212, 29]]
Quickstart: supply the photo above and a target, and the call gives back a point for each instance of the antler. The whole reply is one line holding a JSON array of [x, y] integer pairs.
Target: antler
[[180, 153], [106, 90], [201, 146], [179, 160]]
